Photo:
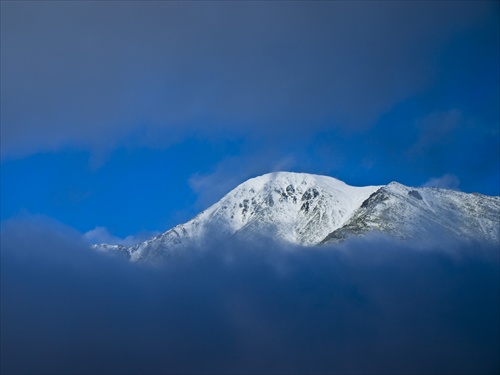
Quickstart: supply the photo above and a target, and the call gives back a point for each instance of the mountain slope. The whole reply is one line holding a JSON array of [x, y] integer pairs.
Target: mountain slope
[[292, 207], [309, 209], [412, 213]]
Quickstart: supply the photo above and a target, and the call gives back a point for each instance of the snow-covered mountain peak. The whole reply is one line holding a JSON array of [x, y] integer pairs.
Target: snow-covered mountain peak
[[306, 206], [307, 209], [298, 208], [288, 178]]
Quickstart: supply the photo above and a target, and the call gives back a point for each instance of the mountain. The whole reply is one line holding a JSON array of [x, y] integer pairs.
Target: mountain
[[412, 213], [308, 210]]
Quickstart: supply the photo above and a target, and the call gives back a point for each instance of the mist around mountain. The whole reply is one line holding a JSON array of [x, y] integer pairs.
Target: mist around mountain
[[370, 304]]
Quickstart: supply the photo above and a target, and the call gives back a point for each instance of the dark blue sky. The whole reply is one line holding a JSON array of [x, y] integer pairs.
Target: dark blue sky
[[134, 116]]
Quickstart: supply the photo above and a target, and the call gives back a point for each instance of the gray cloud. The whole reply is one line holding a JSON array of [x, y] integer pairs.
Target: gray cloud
[[101, 74], [369, 306]]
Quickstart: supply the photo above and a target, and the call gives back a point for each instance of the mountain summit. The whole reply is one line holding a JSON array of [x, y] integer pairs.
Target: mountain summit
[[307, 209]]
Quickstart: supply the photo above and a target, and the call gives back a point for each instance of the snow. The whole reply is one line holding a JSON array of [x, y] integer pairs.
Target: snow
[[309, 209], [281, 197]]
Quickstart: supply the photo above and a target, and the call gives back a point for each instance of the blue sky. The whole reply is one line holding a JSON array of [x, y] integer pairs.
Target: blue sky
[[120, 119], [134, 116]]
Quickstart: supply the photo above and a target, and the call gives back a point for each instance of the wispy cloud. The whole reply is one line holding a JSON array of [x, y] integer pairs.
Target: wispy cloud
[[102, 235], [446, 181], [231, 172]]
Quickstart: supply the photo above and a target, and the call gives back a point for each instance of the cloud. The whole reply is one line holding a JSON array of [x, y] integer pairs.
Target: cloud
[[369, 306], [226, 175], [446, 181], [102, 235], [210, 187], [99, 75]]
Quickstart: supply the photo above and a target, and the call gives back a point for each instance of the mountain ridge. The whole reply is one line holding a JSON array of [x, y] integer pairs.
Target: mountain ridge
[[308, 210]]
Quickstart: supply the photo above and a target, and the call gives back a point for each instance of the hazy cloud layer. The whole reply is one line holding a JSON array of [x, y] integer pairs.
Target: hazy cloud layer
[[366, 307], [105, 74]]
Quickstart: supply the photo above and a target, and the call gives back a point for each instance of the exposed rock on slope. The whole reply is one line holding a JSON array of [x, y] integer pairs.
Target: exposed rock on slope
[[309, 209]]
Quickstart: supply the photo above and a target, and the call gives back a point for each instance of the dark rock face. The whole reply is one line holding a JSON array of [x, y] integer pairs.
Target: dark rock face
[[309, 194], [415, 194], [377, 197], [420, 213], [305, 207]]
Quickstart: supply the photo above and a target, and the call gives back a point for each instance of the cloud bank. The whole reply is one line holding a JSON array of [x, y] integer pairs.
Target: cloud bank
[[101, 74], [367, 307]]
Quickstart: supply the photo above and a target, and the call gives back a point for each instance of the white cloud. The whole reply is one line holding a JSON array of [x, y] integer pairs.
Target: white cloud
[[446, 181], [102, 235]]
